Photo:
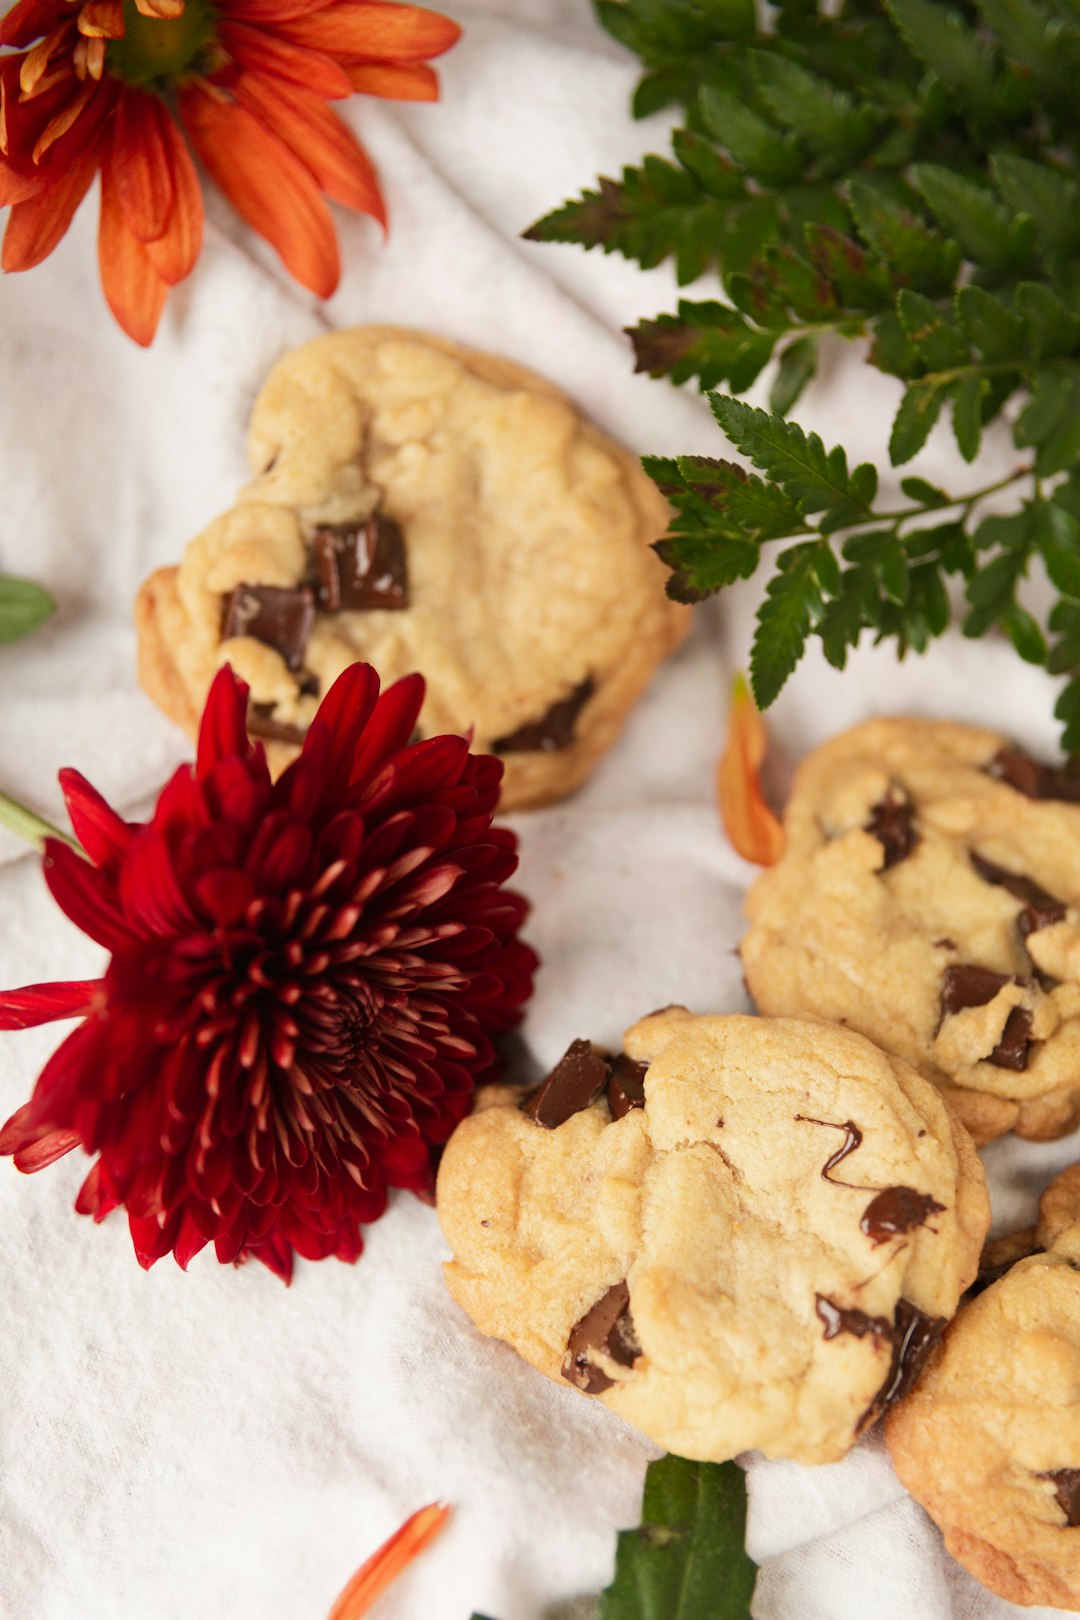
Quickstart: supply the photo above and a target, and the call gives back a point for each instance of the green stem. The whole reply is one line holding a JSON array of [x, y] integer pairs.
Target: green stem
[[33, 828]]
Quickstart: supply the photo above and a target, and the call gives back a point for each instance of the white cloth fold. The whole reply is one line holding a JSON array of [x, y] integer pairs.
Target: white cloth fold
[[212, 1444]]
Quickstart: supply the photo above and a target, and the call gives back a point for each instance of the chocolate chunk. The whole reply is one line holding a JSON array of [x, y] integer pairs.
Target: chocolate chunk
[[852, 1140], [573, 1083], [279, 616], [896, 1211], [1066, 1483], [1040, 909], [261, 723], [608, 1328], [1011, 1052], [838, 1319], [964, 984], [361, 566], [554, 730], [892, 822], [1037, 781], [626, 1085]]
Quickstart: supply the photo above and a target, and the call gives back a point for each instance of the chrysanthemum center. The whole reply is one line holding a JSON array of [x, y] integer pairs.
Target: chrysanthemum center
[[156, 51]]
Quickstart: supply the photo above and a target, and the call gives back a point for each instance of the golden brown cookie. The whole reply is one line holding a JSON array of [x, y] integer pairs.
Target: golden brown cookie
[[742, 1232], [424, 507], [989, 1443], [928, 897]]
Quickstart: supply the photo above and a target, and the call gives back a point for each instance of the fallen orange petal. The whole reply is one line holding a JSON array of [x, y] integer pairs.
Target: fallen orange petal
[[753, 829], [387, 1563]]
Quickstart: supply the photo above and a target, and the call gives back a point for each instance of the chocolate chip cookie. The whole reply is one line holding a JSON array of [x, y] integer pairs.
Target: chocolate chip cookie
[[424, 507], [738, 1232], [990, 1441], [928, 897]]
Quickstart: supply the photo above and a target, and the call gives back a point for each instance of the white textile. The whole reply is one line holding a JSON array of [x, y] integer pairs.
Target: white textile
[[214, 1445]]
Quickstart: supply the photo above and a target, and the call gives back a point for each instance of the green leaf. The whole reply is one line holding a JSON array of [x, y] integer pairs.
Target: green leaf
[[687, 1560], [849, 613], [991, 591], [722, 516], [1057, 539], [1053, 328], [861, 281], [968, 399], [1067, 709], [936, 340], [1051, 420], [770, 156], [1046, 194], [794, 603], [798, 461], [917, 489], [798, 363], [1024, 634], [709, 341], [939, 36], [985, 229], [23, 606], [988, 321], [827, 119], [917, 255], [919, 410]]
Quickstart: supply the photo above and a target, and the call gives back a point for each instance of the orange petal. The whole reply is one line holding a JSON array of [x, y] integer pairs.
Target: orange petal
[[140, 162], [133, 289], [35, 226], [273, 11], [374, 31], [89, 58], [34, 63], [267, 185], [751, 826], [384, 1566], [319, 138], [177, 248], [167, 10], [63, 121], [260, 52], [417, 83], [102, 19]]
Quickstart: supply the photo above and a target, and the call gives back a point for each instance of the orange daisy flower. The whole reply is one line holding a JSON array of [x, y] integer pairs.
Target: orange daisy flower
[[115, 86]]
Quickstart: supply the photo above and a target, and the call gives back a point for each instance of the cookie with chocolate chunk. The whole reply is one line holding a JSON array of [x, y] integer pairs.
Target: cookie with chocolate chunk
[[990, 1441], [929, 897], [424, 507], [737, 1233]]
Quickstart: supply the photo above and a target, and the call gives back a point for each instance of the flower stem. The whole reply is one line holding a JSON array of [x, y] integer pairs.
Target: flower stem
[[33, 828]]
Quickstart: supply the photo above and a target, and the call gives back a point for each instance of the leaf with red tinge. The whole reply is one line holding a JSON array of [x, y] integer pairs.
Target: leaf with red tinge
[[387, 1563], [752, 827]]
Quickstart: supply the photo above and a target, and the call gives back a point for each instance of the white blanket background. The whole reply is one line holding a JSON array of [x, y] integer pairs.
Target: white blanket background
[[214, 1445]]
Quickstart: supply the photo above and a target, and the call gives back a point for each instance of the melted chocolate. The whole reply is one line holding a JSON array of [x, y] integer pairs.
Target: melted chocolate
[[608, 1328], [361, 566], [1036, 781], [892, 823], [626, 1085], [1066, 1483], [964, 984], [838, 1319], [852, 1140], [914, 1336], [261, 723], [1040, 909], [554, 730], [279, 616], [577, 1078], [911, 1334], [895, 1212]]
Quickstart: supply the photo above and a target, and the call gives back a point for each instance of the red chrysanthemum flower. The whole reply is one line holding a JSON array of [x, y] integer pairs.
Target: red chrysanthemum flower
[[304, 983], [112, 85]]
